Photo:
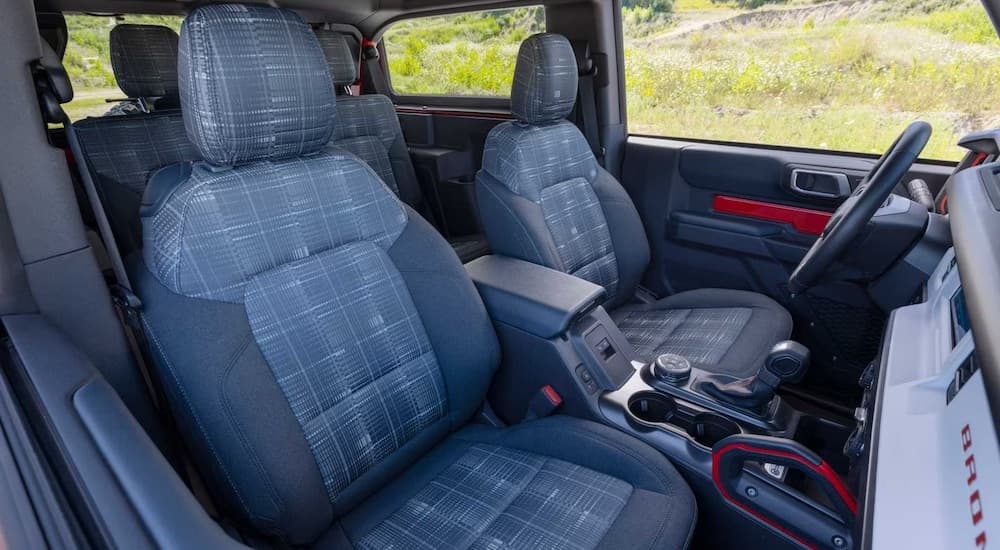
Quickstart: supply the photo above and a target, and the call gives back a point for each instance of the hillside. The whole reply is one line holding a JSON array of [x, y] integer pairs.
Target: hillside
[[839, 75]]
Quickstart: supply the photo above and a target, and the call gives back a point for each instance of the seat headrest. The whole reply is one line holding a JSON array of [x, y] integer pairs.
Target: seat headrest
[[545, 79], [254, 84], [339, 57], [144, 60]]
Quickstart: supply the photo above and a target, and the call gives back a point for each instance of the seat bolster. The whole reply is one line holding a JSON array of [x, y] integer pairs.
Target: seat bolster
[[235, 419], [628, 237], [514, 225], [452, 312]]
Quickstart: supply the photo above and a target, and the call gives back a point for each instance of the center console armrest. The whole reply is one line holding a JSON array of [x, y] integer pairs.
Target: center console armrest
[[533, 298]]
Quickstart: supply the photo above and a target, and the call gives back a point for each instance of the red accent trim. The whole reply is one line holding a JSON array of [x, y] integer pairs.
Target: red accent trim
[[822, 468], [444, 111], [804, 220], [980, 157], [365, 42], [551, 394]]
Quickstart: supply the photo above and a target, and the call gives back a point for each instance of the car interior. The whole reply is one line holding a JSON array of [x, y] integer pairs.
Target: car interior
[[267, 301]]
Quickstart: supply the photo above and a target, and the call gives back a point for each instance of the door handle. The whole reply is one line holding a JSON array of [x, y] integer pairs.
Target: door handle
[[818, 183], [800, 519]]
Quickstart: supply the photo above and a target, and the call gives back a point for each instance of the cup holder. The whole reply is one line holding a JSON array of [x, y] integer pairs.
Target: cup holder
[[703, 428], [652, 407], [709, 428]]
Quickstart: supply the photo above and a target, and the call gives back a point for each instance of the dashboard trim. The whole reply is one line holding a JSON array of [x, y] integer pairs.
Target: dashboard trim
[[974, 221], [867, 498]]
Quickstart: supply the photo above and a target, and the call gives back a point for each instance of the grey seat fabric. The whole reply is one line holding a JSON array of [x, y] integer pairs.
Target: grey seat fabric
[[322, 374], [144, 60], [369, 128], [122, 152], [544, 198]]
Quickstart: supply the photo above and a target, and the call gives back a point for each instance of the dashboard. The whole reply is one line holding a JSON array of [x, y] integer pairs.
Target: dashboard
[[930, 445]]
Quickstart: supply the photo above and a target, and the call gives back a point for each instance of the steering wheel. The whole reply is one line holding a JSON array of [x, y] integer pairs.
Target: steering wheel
[[857, 210]]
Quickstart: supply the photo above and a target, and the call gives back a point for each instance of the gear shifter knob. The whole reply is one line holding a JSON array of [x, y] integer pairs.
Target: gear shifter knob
[[788, 361]]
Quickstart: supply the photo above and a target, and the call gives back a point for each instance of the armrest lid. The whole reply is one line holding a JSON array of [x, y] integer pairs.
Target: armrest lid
[[532, 297]]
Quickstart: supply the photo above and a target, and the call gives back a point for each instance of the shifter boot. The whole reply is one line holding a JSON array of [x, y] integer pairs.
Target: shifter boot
[[745, 393], [786, 362]]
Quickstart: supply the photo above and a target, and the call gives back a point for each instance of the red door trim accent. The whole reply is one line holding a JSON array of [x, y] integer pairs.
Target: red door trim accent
[[804, 220], [822, 468]]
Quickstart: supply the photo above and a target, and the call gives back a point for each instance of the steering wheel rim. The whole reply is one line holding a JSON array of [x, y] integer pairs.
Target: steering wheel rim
[[857, 210]]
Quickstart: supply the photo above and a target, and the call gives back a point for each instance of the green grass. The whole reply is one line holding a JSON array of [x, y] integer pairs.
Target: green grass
[[469, 54], [848, 83]]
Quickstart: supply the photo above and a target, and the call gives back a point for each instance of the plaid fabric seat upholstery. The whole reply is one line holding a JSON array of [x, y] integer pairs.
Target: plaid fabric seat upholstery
[[323, 375]]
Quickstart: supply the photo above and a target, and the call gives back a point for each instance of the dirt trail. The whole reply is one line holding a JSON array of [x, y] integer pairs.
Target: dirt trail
[[764, 17]]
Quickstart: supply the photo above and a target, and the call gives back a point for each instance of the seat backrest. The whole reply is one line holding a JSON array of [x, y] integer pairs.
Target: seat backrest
[[121, 152], [542, 195], [367, 125], [315, 336], [144, 60]]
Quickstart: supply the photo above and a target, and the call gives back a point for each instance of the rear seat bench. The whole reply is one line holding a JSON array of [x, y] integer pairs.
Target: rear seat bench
[[123, 152]]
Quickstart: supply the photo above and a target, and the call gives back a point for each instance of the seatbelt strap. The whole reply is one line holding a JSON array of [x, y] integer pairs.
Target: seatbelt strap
[[586, 99], [103, 225], [129, 310], [373, 66]]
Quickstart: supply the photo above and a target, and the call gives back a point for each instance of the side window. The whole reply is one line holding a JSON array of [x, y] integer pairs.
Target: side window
[[88, 60], [467, 54], [832, 75]]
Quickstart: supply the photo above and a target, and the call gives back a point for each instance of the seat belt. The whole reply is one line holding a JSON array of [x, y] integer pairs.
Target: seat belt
[[373, 67], [127, 304], [129, 310], [586, 100]]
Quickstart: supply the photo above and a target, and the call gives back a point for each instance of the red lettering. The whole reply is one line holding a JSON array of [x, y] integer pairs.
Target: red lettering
[[976, 507], [970, 465], [966, 438]]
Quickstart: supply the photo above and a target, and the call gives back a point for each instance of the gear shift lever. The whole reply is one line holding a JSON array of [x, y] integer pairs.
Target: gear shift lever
[[787, 362]]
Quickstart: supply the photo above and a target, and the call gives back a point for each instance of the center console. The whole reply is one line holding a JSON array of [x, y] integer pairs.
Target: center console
[[759, 458]]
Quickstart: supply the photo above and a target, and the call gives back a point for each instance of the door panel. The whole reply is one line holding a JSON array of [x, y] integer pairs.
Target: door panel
[[728, 216], [447, 149]]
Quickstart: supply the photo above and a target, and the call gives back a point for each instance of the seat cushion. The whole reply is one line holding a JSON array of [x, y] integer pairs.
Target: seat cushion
[[722, 331], [557, 482]]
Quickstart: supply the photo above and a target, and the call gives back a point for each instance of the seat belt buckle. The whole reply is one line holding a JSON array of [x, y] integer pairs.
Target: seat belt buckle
[[127, 302], [545, 401]]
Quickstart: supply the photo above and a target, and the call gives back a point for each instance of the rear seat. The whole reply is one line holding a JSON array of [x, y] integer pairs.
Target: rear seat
[[367, 126], [123, 152], [144, 60]]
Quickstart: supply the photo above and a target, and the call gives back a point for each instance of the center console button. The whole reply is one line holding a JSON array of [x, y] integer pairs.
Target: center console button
[[671, 368]]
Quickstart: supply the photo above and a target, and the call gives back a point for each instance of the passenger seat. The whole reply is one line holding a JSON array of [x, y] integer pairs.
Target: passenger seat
[[368, 127]]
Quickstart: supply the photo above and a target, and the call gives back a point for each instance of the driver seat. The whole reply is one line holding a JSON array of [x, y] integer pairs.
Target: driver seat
[[544, 198]]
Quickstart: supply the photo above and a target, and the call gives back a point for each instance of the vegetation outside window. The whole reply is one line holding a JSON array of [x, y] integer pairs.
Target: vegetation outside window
[[459, 54], [837, 75], [88, 60]]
